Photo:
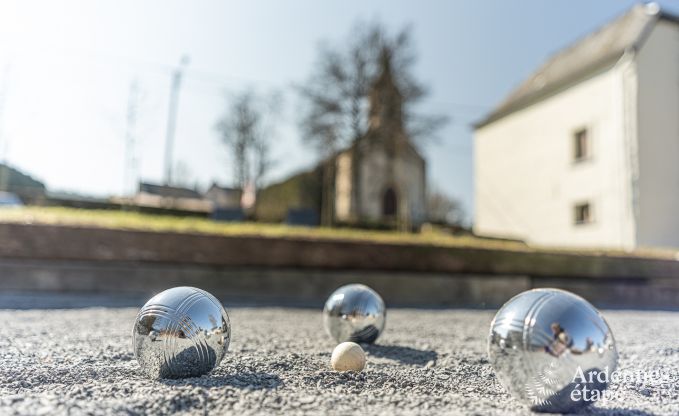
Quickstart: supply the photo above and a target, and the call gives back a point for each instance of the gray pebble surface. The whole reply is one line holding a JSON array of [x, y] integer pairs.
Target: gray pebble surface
[[80, 361]]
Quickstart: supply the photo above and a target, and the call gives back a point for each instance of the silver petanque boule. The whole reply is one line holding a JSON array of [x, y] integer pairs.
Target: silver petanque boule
[[552, 350], [354, 313], [181, 332]]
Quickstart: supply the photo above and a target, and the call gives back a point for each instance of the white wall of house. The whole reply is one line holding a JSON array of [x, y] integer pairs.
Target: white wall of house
[[658, 126], [527, 183]]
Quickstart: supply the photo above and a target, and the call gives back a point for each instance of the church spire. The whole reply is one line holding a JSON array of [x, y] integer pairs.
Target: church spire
[[386, 101]]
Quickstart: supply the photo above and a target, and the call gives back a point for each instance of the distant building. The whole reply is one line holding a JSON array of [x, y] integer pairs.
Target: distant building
[[167, 191], [224, 197], [382, 177], [298, 192], [585, 152], [226, 203], [170, 197]]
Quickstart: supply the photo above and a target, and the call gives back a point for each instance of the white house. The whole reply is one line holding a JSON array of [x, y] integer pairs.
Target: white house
[[585, 152]]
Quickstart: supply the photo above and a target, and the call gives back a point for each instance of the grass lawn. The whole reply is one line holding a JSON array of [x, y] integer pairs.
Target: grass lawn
[[149, 222]]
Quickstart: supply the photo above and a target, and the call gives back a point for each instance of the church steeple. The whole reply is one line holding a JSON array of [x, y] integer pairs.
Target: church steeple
[[386, 101]]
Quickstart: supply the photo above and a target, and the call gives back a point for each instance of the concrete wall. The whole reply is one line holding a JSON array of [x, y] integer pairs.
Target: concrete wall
[[527, 182], [260, 285], [53, 258], [658, 124]]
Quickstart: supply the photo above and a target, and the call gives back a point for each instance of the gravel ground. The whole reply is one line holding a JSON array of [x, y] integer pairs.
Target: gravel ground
[[79, 361]]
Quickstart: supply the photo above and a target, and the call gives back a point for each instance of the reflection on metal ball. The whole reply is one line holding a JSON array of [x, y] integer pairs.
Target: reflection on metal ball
[[354, 313], [552, 350], [181, 332]]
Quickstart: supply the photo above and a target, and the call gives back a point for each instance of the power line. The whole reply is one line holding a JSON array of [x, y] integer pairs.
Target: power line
[[226, 80]]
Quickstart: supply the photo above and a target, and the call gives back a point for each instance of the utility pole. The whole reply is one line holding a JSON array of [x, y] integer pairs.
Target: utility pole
[[4, 89], [130, 130], [172, 116]]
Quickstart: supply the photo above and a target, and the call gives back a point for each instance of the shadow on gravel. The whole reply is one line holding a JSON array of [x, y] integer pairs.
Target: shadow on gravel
[[242, 380], [406, 355]]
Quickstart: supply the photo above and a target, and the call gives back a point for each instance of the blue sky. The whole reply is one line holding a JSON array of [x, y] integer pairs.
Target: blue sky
[[66, 67]]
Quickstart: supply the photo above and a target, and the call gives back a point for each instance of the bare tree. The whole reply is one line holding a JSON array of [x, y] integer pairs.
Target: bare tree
[[246, 128], [269, 107], [336, 95], [238, 130], [442, 209]]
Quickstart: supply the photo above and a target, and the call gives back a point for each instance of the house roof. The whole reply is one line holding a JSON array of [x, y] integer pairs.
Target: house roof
[[19, 180], [587, 55], [217, 187], [168, 191]]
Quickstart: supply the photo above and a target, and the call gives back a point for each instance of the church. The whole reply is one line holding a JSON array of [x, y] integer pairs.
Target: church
[[382, 177], [379, 181]]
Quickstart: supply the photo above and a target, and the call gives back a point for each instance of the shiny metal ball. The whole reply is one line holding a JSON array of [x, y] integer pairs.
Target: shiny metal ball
[[354, 313], [181, 332], [552, 350]]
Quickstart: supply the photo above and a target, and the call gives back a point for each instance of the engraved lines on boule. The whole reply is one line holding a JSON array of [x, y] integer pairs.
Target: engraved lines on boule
[[190, 329], [177, 319], [170, 343]]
